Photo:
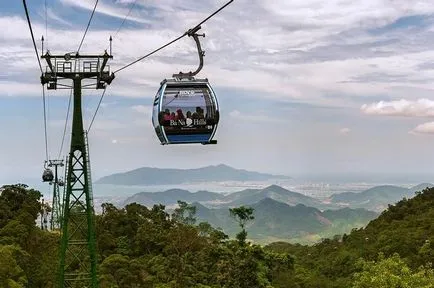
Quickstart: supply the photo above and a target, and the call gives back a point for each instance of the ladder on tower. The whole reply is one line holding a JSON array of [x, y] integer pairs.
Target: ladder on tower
[[89, 178], [62, 200]]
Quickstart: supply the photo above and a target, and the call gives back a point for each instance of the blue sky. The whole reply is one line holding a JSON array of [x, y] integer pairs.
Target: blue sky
[[304, 87]]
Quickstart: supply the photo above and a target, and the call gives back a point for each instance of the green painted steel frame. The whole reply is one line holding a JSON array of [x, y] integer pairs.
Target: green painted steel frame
[[78, 244], [56, 212], [78, 261]]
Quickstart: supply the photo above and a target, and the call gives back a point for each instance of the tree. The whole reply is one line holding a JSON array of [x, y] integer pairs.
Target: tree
[[391, 272], [185, 213], [242, 215], [11, 274]]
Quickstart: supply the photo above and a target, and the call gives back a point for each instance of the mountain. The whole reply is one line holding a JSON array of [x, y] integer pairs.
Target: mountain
[[250, 196], [405, 228], [277, 220], [158, 176], [421, 187], [170, 197], [376, 198], [217, 200]]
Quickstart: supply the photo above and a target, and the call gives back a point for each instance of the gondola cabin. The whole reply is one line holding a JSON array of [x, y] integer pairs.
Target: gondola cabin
[[185, 111], [61, 183], [47, 175]]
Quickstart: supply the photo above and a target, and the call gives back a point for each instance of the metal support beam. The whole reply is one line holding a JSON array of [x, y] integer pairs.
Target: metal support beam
[[78, 261]]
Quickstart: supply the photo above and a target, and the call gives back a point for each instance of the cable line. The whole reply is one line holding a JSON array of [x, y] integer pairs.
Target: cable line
[[66, 124], [162, 47], [88, 24], [45, 123], [117, 31], [46, 25], [97, 108], [31, 32], [173, 41], [128, 14], [40, 67], [210, 16]]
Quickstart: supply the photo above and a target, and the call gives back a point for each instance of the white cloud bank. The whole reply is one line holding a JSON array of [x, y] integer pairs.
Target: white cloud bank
[[425, 128], [405, 108]]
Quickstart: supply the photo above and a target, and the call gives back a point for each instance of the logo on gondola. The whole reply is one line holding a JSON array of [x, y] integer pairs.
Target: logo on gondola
[[188, 122], [186, 92]]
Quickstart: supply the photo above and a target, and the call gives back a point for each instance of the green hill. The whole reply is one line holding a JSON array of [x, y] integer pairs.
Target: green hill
[[171, 196], [277, 220], [376, 198], [406, 228], [141, 247], [275, 192], [217, 200]]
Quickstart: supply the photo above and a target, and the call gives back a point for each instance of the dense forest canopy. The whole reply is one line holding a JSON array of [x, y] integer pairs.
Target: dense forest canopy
[[148, 247]]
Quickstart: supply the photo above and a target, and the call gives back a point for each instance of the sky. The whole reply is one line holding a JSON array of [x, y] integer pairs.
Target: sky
[[304, 87]]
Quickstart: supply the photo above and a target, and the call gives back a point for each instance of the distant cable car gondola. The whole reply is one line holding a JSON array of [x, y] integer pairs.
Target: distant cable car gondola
[[60, 183], [186, 109], [47, 176]]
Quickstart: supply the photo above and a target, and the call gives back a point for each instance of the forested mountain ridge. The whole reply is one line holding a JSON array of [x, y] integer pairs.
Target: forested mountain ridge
[[160, 176], [277, 220], [401, 239], [374, 199], [136, 247], [218, 200], [275, 192], [171, 196], [148, 247], [377, 198]]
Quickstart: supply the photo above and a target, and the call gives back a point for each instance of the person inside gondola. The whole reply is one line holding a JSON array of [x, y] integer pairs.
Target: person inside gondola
[[201, 116], [179, 115], [196, 113], [167, 115]]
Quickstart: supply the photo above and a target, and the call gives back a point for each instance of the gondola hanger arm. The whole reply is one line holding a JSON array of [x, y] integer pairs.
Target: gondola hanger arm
[[193, 33]]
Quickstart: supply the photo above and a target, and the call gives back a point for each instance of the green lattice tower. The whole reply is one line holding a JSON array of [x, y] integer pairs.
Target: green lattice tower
[[56, 207], [78, 262]]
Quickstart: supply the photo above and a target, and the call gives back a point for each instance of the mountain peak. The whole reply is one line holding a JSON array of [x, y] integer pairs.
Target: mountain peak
[[221, 165], [275, 187]]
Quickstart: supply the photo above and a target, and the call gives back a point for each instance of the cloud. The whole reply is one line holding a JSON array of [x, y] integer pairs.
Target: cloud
[[345, 130], [259, 117], [288, 54], [107, 125], [15, 88], [108, 104], [425, 128], [53, 16], [104, 9], [405, 108], [147, 110], [319, 54]]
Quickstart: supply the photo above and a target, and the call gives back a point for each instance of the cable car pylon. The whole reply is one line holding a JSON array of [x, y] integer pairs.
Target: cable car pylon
[[57, 201], [78, 260]]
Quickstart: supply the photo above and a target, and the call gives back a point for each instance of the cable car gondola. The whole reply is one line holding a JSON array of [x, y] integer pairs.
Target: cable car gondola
[[186, 109], [47, 175], [60, 183]]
